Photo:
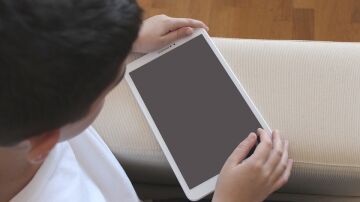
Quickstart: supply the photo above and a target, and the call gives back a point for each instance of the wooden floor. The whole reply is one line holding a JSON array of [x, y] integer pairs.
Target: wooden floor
[[329, 20]]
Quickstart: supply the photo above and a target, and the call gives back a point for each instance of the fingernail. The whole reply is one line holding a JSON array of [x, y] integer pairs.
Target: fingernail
[[189, 31], [207, 28]]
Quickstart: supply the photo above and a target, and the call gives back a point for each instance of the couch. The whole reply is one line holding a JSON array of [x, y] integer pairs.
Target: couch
[[308, 90]]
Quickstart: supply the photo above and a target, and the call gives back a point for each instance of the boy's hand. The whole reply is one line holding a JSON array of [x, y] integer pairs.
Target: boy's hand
[[253, 179], [161, 30]]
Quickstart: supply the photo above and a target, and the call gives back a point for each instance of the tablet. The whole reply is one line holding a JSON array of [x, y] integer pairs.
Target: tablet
[[196, 107]]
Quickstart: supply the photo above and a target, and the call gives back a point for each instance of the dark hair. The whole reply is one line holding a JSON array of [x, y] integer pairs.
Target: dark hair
[[56, 58]]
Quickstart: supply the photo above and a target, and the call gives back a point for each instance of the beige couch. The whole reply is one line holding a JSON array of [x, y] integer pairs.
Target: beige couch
[[308, 90]]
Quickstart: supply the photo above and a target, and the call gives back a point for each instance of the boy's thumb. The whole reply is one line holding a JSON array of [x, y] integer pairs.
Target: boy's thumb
[[242, 150]]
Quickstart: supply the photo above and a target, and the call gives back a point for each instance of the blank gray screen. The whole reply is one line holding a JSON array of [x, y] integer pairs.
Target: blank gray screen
[[198, 110]]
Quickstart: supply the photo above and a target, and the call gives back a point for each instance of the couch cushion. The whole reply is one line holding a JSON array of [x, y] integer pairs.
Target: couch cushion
[[308, 90]]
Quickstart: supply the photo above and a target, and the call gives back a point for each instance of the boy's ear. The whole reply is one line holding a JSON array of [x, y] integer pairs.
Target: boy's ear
[[41, 145]]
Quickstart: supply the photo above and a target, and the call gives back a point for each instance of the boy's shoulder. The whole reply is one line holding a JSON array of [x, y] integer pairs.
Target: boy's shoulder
[[72, 172]]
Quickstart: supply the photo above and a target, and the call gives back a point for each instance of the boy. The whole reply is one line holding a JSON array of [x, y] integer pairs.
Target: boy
[[58, 60]]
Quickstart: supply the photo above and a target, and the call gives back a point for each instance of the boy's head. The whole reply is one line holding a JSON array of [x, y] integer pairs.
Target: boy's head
[[58, 60]]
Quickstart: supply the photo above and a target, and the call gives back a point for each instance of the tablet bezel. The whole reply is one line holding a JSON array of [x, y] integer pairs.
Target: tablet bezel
[[207, 186]]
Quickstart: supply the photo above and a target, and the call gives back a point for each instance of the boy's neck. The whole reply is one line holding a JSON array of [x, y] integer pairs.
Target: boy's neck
[[15, 174]]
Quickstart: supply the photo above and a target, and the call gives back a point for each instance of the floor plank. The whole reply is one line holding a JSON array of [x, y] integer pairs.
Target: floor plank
[[330, 20]]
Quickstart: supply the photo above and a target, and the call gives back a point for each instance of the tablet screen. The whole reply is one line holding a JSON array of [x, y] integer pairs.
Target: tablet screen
[[197, 108]]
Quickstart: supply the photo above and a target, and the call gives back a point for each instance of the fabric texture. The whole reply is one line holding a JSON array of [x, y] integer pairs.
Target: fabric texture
[[82, 169], [307, 90]]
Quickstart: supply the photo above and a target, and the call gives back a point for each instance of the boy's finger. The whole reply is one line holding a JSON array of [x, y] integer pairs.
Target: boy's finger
[[282, 165], [242, 150], [276, 153], [176, 23], [285, 177], [264, 148], [177, 34]]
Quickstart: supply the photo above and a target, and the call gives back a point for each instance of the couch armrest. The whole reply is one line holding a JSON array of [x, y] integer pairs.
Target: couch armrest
[[308, 90]]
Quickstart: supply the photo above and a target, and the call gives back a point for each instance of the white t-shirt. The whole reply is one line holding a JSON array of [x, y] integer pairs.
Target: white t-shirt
[[82, 169]]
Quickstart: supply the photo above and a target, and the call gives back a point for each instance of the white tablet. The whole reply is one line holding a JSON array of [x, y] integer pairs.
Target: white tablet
[[196, 107]]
